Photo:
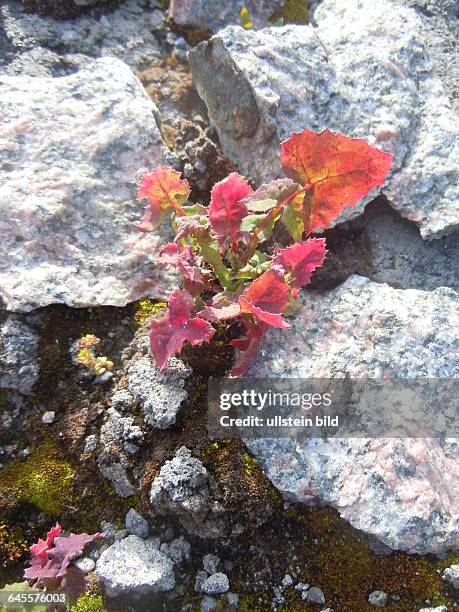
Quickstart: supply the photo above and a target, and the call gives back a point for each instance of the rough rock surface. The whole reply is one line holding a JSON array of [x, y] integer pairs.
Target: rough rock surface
[[216, 14], [72, 149], [183, 489], [403, 491], [34, 45], [160, 392], [135, 567], [136, 524], [358, 73], [18, 356], [451, 576]]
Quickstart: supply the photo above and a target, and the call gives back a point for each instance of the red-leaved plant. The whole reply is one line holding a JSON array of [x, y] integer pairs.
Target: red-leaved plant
[[224, 251], [51, 566]]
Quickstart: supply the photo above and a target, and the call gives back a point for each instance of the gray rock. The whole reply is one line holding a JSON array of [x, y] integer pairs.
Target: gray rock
[[316, 596], [178, 550], [160, 392], [136, 524], [37, 45], [201, 577], [437, 609], [441, 35], [217, 584], [90, 443], [208, 603], [378, 599], [232, 599], [358, 73], [85, 564], [366, 330], [183, 489], [70, 239], [451, 576], [118, 438], [287, 581], [48, 417], [216, 14], [210, 563], [122, 400], [134, 567], [18, 355]]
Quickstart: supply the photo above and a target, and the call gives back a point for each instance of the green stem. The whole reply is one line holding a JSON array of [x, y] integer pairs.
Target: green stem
[[210, 252], [266, 221]]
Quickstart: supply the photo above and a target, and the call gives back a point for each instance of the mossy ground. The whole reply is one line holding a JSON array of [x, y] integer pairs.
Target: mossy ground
[[312, 544]]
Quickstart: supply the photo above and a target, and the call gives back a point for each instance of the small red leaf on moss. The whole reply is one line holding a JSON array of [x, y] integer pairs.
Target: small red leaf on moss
[[266, 299], [178, 326], [40, 549], [248, 347], [164, 189], [337, 170], [300, 260], [227, 208]]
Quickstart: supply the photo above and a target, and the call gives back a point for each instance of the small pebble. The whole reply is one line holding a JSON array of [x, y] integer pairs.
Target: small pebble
[[217, 584], [378, 599], [210, 563], [315, 595], [48, 417]]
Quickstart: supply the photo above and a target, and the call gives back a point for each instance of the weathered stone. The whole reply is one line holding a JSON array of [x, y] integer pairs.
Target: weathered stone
[[378, 599], [134, 567], [18, 356], [178, 550], [183, 490], [72, 148], [358, 73], [210, 563], [315, 595], [216, 14], [385, 487], [36, 45], [451, 575], [217, 584], [136, 524], [160, 392]]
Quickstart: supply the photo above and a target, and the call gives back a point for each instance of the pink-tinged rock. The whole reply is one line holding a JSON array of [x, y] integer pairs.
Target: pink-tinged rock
[[72, 150], [404, 491]]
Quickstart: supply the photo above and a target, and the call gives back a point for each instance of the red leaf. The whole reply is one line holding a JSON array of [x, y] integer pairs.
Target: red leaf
[[227, 209], [168, 335], [164, 189], [220, 308], [337, 170], [40, 549], [300, 260], [183, 259], [266, 298], [249, 346]]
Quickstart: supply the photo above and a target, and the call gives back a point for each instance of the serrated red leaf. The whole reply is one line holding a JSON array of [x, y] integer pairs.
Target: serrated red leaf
[[300, 260], [227, 208], [248, 347], [164, 189], [40, 548], [337, 170], [266, 299], [178, 326]]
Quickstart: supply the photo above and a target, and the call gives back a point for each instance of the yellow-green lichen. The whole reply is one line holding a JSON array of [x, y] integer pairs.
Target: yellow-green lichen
[[88, 603], [146, 308], [294, 11], [44, 479]]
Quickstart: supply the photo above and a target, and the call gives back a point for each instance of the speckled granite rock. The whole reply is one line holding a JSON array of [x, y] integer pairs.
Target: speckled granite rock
[[216, 14], [72, 148], [403, 491], [135, 567], [36, 45], [18, 356], [358, 73]]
